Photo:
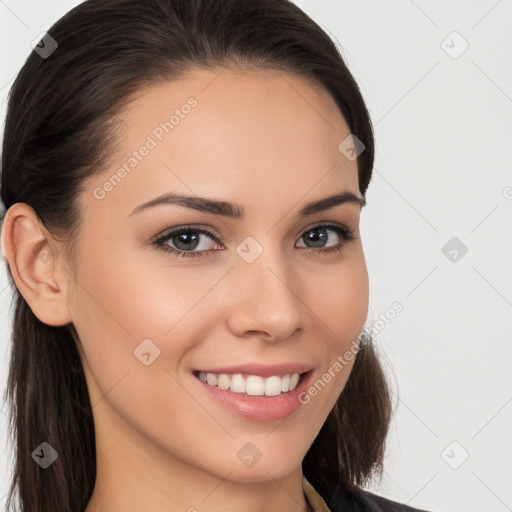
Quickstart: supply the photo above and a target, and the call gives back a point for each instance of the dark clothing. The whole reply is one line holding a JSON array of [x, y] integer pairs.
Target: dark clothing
[[357, 500]]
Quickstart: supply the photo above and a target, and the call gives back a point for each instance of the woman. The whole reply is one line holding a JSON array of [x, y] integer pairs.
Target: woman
[[184, 181]]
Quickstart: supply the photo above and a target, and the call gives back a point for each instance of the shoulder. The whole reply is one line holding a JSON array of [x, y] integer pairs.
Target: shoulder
[[359, 500]]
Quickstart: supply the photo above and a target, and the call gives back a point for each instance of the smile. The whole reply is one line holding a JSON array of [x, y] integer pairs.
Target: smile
[[251, 384]]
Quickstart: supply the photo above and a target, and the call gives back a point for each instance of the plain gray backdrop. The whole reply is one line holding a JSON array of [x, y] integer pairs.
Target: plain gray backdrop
[[437, 232]]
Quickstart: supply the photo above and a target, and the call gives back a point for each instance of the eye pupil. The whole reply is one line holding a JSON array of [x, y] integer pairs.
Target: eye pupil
[[317, 239], [185, 238]]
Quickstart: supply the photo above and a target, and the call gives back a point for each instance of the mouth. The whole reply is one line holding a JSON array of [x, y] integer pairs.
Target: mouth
[[251, 384], [255, 397]]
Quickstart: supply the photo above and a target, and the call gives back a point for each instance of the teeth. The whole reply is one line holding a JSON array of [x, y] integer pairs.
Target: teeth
[[253, 385], [273, 386], [238, 384], [285, 383], [223, 381], [211, 378]]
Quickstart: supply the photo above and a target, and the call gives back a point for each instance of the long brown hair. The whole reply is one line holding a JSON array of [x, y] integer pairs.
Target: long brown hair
[[60, 129]]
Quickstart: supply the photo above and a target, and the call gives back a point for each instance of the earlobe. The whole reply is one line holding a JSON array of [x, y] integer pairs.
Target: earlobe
[[27, 246]]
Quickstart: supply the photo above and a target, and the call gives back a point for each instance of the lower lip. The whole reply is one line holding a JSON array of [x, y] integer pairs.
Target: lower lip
[[259, 407]]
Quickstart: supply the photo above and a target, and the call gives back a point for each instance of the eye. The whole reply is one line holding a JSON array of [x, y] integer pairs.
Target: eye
[[319, 235], [187, 240]]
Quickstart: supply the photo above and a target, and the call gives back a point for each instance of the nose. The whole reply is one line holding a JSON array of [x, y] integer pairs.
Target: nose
[[262, 299]]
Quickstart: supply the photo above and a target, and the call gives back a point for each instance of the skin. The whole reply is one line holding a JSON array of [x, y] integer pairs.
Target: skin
[[268, 141]]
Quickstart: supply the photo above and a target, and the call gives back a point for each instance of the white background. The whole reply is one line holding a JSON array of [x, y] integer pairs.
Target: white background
[[444, 136]]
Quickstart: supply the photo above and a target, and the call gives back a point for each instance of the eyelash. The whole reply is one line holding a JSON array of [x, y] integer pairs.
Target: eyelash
[[346, 234]]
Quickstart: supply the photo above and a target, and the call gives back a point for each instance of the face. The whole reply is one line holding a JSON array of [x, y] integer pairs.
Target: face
[[269, 286]]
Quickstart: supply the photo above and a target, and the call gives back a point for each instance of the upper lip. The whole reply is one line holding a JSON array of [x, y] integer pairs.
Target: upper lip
[[264, 370]]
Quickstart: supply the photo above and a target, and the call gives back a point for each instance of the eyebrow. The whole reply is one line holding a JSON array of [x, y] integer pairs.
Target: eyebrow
[[236, 211]]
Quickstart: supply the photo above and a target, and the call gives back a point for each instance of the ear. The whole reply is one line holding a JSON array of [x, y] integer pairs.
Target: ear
[[31, 254]]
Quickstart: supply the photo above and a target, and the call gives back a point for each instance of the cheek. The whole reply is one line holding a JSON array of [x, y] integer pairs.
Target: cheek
[[339, 298], [119, 301], [139, 296]]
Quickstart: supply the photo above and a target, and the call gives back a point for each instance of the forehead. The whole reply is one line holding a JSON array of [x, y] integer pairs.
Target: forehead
[[230, 135]]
